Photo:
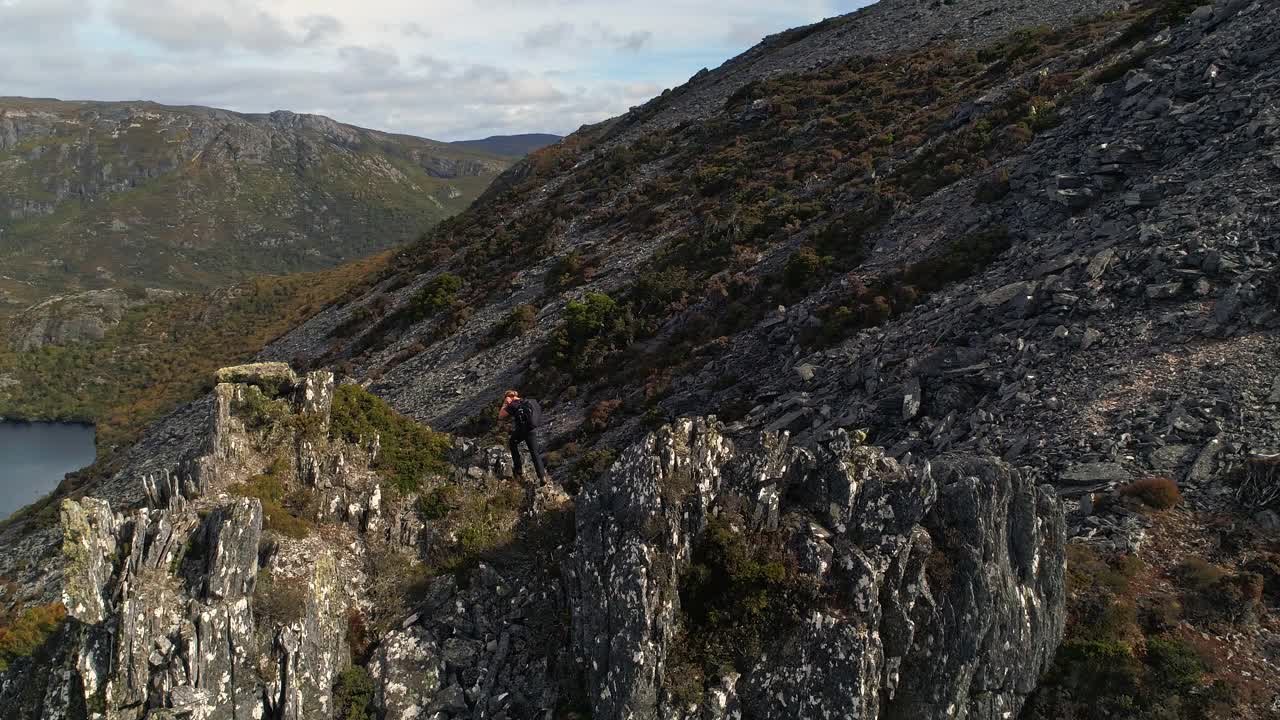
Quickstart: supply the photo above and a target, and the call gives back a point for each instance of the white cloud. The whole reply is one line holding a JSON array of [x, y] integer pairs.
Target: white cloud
[[319, 28], [181, 26], [40, 21], [566, 36], [447, 69], [550, 35]]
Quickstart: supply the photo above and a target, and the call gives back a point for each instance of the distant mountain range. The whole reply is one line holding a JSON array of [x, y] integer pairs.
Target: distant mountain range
[[511, 145], [98, 195]]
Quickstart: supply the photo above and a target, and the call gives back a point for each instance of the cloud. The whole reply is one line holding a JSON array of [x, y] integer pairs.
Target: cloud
[[414, 30], [319, 28], [447, 69], [177, 26], [633, 41], [40, 21], [551, 35], [566, 36], [181, 26]]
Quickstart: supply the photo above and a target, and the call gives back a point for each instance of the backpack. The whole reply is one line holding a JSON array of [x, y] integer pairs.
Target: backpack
[[528, 415]]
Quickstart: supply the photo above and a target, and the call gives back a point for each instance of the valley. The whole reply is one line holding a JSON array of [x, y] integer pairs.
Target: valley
[[144, 246]]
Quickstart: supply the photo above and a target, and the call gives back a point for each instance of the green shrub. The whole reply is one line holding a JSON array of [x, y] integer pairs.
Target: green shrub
[[590, 316], [1198, 573], [888, 296], [361, 317], [1162, 14], [278, 601], [805, 269], [594, 329], [397, 581], [353, 695], [961, 259], [1160, 613], [521, 320], [259, 411], [736, 595], [28, 631], [659, 291], [483, 520], [285, 510], [1110, 664], [1175, 666], [408, 451], [1216, 594], [1107, 667], [438, 294], [437, 503], [568, 272], [590, 465]]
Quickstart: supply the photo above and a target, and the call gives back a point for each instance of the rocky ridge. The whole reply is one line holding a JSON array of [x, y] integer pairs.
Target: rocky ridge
[[204, 604]]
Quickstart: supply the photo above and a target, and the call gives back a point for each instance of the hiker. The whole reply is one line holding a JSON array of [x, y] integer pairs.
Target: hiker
[[526, 416]]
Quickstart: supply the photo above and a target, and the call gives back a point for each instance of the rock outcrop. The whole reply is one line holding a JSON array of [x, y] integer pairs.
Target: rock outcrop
[[78, 319], [934, 588], [942, 588], [219, 600]]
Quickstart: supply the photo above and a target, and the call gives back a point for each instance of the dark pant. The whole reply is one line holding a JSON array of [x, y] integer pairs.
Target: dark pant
[[531, 440]]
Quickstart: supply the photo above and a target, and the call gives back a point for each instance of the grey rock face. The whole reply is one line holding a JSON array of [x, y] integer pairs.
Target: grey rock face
[[77, 319], [1093, 474], [947, 585], [944, 588], [164, 605], [409, 670], [624, 603], [152, 635]]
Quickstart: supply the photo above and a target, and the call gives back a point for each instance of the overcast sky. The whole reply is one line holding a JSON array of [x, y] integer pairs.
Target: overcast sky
[[445, 69]]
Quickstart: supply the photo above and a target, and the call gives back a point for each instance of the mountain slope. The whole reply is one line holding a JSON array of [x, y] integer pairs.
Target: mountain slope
[[101, 195], [1023, 247], [511, 145]]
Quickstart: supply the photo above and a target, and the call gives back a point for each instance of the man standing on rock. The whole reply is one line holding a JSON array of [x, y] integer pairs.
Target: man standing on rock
[[526, 416]]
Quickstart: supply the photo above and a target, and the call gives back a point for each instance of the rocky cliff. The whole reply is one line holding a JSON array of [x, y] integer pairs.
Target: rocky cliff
[[900, 591], [131, 195], [256, 574]]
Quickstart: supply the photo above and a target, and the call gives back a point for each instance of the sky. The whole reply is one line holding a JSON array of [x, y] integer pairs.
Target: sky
[[444, 69]]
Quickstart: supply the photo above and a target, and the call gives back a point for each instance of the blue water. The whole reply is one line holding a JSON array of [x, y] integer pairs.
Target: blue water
[[35, 456]]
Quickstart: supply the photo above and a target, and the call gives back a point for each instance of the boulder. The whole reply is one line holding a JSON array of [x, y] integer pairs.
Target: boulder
[[1006, 294], [1171, 457], [911, 397], [1094, 473]]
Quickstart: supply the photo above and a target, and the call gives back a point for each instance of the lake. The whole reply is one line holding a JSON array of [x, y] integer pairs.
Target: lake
[[35, 456]]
